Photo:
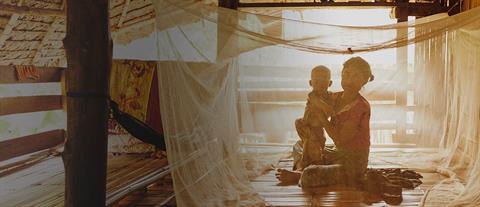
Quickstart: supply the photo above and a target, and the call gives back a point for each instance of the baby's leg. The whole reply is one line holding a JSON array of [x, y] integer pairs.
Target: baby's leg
[[317, 145], [298, 155], [302, 128]]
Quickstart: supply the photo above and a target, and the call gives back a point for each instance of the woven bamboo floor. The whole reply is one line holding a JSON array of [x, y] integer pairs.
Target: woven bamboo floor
[[43, 184], [276, 195], [159, 194]]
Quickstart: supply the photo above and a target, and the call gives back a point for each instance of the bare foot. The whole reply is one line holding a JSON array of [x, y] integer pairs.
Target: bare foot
[[287, 176]]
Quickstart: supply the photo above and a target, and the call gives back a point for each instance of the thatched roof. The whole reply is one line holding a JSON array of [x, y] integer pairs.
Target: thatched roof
[[31, 31]]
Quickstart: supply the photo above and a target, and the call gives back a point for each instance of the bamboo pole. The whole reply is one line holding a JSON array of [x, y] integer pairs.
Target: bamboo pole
[[88, 48]]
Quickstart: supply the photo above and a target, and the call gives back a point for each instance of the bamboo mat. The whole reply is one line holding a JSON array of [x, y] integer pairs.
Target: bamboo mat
[[159, 194], [43, 184]]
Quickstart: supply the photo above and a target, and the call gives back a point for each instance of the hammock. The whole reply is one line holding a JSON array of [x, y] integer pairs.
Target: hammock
[[137, 128]]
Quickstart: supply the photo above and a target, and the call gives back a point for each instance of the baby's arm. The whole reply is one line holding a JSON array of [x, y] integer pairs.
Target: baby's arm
[[319, 104]]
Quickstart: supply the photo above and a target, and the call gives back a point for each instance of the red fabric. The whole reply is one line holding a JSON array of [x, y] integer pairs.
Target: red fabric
[[359, 113], [154, 118]]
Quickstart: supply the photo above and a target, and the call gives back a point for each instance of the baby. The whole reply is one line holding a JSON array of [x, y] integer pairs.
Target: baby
[[310, 128]]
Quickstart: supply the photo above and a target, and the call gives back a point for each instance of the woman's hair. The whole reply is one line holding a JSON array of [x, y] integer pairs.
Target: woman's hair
[[361, 66]]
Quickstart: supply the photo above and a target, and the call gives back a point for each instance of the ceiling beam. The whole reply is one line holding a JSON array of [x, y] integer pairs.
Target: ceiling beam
[[49, 32], [333, 4], [8, 29], [124, 13], [32, 11], [413, 9]]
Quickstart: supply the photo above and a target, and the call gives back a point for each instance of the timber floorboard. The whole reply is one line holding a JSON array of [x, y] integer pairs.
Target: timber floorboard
[[43, 184], [292, 195]]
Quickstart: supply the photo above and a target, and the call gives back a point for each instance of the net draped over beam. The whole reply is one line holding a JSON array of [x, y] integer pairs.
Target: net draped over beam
[[224, 74]]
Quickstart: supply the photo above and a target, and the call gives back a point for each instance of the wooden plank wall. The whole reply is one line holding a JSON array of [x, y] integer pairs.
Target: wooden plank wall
[[15, 105], [276, 90]]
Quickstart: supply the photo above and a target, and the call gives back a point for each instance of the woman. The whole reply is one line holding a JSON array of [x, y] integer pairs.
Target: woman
[[349, 128]]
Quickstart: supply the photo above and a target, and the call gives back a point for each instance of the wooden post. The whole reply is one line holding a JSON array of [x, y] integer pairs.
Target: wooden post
[[231, 4], [401, 94], [88, 47]]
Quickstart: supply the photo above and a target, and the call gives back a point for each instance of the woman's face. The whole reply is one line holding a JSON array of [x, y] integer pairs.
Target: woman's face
[[352, 80]]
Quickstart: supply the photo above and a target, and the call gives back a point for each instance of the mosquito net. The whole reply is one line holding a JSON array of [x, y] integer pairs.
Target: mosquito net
[[229, 77]]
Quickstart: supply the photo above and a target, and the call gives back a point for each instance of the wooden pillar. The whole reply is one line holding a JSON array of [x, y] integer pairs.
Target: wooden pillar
[[402, 66], [88, 49]]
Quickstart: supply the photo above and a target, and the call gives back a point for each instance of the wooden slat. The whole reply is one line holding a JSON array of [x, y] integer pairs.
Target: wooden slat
[[292, 195], [32, 143], [32, 11], [380, 72], [8, 75], [279, 95], [27, 104]]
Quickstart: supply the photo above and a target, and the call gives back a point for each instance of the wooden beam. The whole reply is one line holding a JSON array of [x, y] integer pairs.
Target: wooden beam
[[29, 104], [8, 28], [32, 11], [89, 55], [8, 75], [124, 13], [280, 96], [333, 4], [31, 143], [231, 4], [49, 32], [414, 9], [402, 65]]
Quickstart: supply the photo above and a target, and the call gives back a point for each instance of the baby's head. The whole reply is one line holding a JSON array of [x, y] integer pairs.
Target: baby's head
[[320, 78], [356, 73]]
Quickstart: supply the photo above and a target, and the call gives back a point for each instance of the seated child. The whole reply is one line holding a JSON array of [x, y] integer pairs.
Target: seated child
[[312, 140]]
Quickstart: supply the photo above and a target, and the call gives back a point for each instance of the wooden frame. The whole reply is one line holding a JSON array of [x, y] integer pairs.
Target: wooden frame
[[28, 104]]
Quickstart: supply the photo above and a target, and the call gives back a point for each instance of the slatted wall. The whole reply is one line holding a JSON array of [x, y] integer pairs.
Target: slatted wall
[[281, 93], [21, 106]]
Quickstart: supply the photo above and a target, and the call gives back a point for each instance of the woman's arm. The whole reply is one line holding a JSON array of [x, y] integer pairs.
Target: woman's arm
[[330, 128], [343, 133]]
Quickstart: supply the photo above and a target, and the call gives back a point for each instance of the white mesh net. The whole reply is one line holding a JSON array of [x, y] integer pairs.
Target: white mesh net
[[228, 76]]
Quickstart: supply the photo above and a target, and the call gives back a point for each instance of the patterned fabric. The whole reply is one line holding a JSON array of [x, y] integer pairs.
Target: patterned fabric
[[25, 72], [359, 112], [321, 176], [354, 162], [130, 85]]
